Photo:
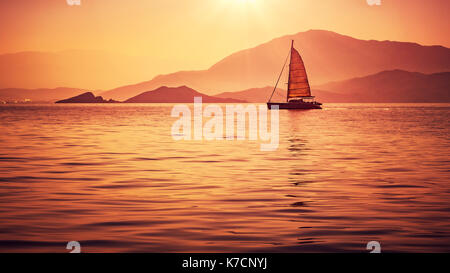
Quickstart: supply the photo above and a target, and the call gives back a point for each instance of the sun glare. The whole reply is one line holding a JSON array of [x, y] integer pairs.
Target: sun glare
[[242, 1]]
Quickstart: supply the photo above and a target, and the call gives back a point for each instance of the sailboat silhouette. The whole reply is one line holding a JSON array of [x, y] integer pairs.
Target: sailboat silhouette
[[299, 91]]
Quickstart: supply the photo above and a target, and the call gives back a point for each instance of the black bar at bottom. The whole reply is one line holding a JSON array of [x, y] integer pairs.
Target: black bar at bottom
[[224, 262]]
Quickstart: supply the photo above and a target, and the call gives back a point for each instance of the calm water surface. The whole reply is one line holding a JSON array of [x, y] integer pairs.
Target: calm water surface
[[112, 178]]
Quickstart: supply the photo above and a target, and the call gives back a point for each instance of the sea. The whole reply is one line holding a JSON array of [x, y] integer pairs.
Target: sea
[[113, 178]]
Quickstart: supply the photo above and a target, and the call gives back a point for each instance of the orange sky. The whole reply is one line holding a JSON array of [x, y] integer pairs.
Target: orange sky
[[194, 34]]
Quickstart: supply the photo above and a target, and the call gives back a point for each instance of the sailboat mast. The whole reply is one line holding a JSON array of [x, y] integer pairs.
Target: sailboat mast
[[281, 73], [289, 73]]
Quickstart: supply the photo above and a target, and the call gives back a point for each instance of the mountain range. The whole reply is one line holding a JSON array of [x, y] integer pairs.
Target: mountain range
[[390, 86], [256, 94], [163, 94], [328, 56], [339, 68], [181, 94], [386, 86], [38, 95]]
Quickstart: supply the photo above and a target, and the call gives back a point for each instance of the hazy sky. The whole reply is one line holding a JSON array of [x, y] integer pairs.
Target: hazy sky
[[194, 34]]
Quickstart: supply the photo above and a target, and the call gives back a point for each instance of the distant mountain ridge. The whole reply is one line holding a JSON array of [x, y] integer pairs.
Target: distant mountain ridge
[[256, 94], [38, 95], [386, 86], [328, 56], [393, 86], [181, 94]]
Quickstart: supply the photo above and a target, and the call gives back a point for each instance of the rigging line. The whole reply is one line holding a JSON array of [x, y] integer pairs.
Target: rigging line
[[287, 57], [279, 93]]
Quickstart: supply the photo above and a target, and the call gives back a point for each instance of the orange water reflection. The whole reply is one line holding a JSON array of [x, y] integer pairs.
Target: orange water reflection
[[112, 178]]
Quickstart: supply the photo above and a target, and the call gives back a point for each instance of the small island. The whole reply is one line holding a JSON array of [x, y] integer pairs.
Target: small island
[[87, 97]]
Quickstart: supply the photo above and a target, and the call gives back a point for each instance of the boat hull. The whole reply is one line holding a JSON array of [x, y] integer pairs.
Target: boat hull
[[294, 105]]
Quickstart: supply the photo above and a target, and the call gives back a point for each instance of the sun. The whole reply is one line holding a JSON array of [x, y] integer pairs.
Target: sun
[[242, 1], [239, 4], [243, 11]]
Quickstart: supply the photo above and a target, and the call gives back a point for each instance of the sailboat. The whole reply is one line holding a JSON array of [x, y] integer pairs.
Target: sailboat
[[298, 91]]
